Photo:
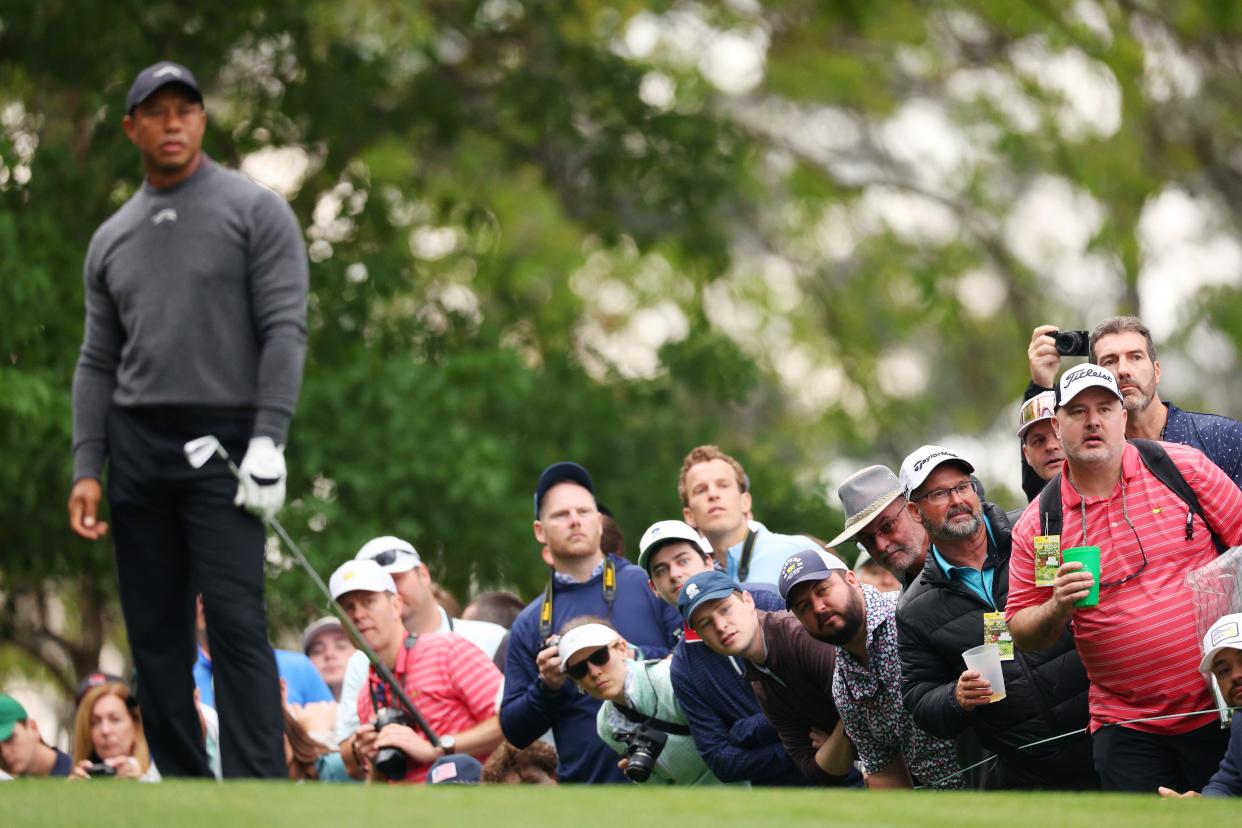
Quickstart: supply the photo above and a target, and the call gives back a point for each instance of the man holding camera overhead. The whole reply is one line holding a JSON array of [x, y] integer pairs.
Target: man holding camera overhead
[[451, 681], [1124, 346]]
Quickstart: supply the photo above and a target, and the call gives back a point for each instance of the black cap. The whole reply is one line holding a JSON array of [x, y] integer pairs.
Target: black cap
[[157, 76], [561, 473]]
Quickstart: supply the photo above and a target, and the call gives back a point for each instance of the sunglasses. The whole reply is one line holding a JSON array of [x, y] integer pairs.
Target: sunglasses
[[599, 658], [1039, 407], [389, 556]]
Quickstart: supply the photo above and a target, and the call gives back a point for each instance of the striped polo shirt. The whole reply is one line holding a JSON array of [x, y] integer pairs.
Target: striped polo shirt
[[451, 682], [1140, 644]]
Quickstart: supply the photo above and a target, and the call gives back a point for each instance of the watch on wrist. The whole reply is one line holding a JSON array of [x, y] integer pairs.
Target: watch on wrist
[[448, 744]]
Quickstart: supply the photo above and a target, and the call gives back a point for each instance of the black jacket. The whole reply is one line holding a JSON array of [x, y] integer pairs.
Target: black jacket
[[937, 620]]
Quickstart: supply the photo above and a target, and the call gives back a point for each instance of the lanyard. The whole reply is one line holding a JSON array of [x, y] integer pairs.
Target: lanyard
[[381, 696], [609, 586]]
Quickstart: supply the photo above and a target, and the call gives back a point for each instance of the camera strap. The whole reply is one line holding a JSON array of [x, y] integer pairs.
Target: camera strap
[[671, 728], [381, 696], [609, 587], [743, 568]]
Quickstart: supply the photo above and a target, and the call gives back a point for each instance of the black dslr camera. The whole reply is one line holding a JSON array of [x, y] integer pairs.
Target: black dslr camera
[[1073, 343], [391, 761], [643, 747]]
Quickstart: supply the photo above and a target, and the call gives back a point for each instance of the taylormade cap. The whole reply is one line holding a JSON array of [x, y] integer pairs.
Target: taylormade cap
[[1225, 633], [704, 587], [1076, 380], [664, 532], [327, 624], [564, 472], [865, 494], [392, 554], [1038, 408], [155, 77], [11, 712], [807, 565], [586, 637], [360, 576], [921, 462]]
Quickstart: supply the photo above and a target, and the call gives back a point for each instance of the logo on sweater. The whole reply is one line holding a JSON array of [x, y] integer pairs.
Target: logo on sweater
[[167, 214]]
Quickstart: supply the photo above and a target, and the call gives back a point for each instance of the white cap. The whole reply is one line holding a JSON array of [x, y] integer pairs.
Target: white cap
[[663, 531], [364, 576], [921, 462], [393, 554], [588, 636], [1076, 380], [1225, 633]]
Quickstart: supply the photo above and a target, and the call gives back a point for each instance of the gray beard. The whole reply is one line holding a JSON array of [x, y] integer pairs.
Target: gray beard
[[956, 531]]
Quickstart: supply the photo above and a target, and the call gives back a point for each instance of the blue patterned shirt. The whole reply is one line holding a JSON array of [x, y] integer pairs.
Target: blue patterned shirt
[[1220, 438]]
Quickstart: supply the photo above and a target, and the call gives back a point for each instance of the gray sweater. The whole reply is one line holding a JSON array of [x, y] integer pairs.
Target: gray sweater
[[195, 296]]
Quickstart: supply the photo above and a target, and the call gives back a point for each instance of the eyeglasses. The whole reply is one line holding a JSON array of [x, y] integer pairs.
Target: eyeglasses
[[389, 556], [939, 496], [599, 658]]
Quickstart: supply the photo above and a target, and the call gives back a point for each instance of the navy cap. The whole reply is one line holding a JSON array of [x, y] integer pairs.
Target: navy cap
[[807, 565], [455, 769], [157, 76], [564, 472], [706, 586], [93, 680]]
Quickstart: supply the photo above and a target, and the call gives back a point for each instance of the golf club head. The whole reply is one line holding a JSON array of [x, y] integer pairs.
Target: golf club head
[[199, 450]]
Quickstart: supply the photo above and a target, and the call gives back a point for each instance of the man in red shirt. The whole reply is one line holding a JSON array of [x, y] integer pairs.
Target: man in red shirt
[[1139, 644], [451, 681]]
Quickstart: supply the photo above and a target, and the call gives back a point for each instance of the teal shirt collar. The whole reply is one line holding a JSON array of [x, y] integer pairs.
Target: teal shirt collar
[[980, 583]]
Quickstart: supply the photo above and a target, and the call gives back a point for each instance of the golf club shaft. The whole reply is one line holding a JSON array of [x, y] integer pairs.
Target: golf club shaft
[[382, 669]]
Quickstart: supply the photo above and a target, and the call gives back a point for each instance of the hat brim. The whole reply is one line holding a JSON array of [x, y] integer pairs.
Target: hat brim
[[715, 594], [1205, 665], [644, 557], [805, 578], [858, 522]]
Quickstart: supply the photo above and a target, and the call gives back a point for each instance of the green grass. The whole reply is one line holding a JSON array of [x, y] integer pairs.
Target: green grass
[[110, 802]]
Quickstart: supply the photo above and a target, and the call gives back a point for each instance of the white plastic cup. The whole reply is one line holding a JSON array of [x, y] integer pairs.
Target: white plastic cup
[[985, 660]]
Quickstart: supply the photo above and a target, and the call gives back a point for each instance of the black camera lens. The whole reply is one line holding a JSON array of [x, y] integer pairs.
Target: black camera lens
[[392, 762], [645, 745], [1073, 343]]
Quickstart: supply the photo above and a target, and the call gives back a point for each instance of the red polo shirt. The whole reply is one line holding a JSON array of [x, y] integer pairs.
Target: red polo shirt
[[451, 682], [1139, 645]]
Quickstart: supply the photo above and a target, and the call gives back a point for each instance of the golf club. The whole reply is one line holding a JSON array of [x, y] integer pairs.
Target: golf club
[[200, 450]]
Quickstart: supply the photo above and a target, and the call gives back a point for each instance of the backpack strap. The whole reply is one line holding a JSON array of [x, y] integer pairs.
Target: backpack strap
[[1166, 471], [1050, 507], [743, 568]]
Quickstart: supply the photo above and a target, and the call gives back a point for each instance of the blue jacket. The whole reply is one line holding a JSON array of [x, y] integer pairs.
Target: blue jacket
[[1227, 781], [529, 708], [731, 732]]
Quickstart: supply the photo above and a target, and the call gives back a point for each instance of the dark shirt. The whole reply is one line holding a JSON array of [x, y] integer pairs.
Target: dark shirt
[[63, 765], [794, 688]]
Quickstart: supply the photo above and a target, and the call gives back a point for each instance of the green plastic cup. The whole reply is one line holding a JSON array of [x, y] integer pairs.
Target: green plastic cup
[[1089, 557]]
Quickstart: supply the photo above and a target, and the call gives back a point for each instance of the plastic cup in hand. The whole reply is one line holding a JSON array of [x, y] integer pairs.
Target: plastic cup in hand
[[1089, 557], [985, 660]]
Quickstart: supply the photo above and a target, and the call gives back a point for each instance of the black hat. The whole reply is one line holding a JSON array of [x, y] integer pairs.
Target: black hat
[[561, 473], [157, 76]]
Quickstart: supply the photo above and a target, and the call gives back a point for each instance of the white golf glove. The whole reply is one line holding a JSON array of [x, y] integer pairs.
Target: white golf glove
[[261, 490]]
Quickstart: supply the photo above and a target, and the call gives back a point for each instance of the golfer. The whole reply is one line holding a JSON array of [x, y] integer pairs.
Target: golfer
[[195, 324]]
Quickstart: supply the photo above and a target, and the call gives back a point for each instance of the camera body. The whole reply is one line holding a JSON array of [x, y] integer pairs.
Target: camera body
[[97, 769], [1073, 343], [643, 747], [391, 761]]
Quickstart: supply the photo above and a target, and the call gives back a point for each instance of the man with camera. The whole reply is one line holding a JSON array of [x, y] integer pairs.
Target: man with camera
[[790, 672], [731, 732], [583, 581], [958, 604], [639, 717], [452, 682], [1135, 630], [1124, 346]]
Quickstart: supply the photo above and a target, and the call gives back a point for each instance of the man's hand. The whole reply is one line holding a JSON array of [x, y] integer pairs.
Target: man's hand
[[1072, 583], [408, 742], [261, 490], [972, 691], [84, 509], [549, 663], [1043, 357], [1169, 793], [364, 743]]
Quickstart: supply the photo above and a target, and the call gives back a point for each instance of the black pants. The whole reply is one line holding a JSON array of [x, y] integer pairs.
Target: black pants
[[1137, 762], [177, 532]]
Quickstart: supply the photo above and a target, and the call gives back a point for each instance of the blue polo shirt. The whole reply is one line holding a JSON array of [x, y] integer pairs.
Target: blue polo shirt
[[978, 582]]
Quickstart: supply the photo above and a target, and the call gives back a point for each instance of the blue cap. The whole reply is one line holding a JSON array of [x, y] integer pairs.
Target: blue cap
[[706, 586], [455, 769], [807, 565], [563, 472]]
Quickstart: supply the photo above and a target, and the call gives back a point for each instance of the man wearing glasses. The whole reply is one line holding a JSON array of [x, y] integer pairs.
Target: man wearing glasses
[[957, 603], [876, 516], [1139, 643]]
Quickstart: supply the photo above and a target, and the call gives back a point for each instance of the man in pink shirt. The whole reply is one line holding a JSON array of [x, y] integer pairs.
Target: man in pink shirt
[[1139, 644], [451, 682]]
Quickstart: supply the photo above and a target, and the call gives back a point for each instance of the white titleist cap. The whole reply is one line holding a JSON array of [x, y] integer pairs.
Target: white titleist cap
[[1076, 380], [921, 462]]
